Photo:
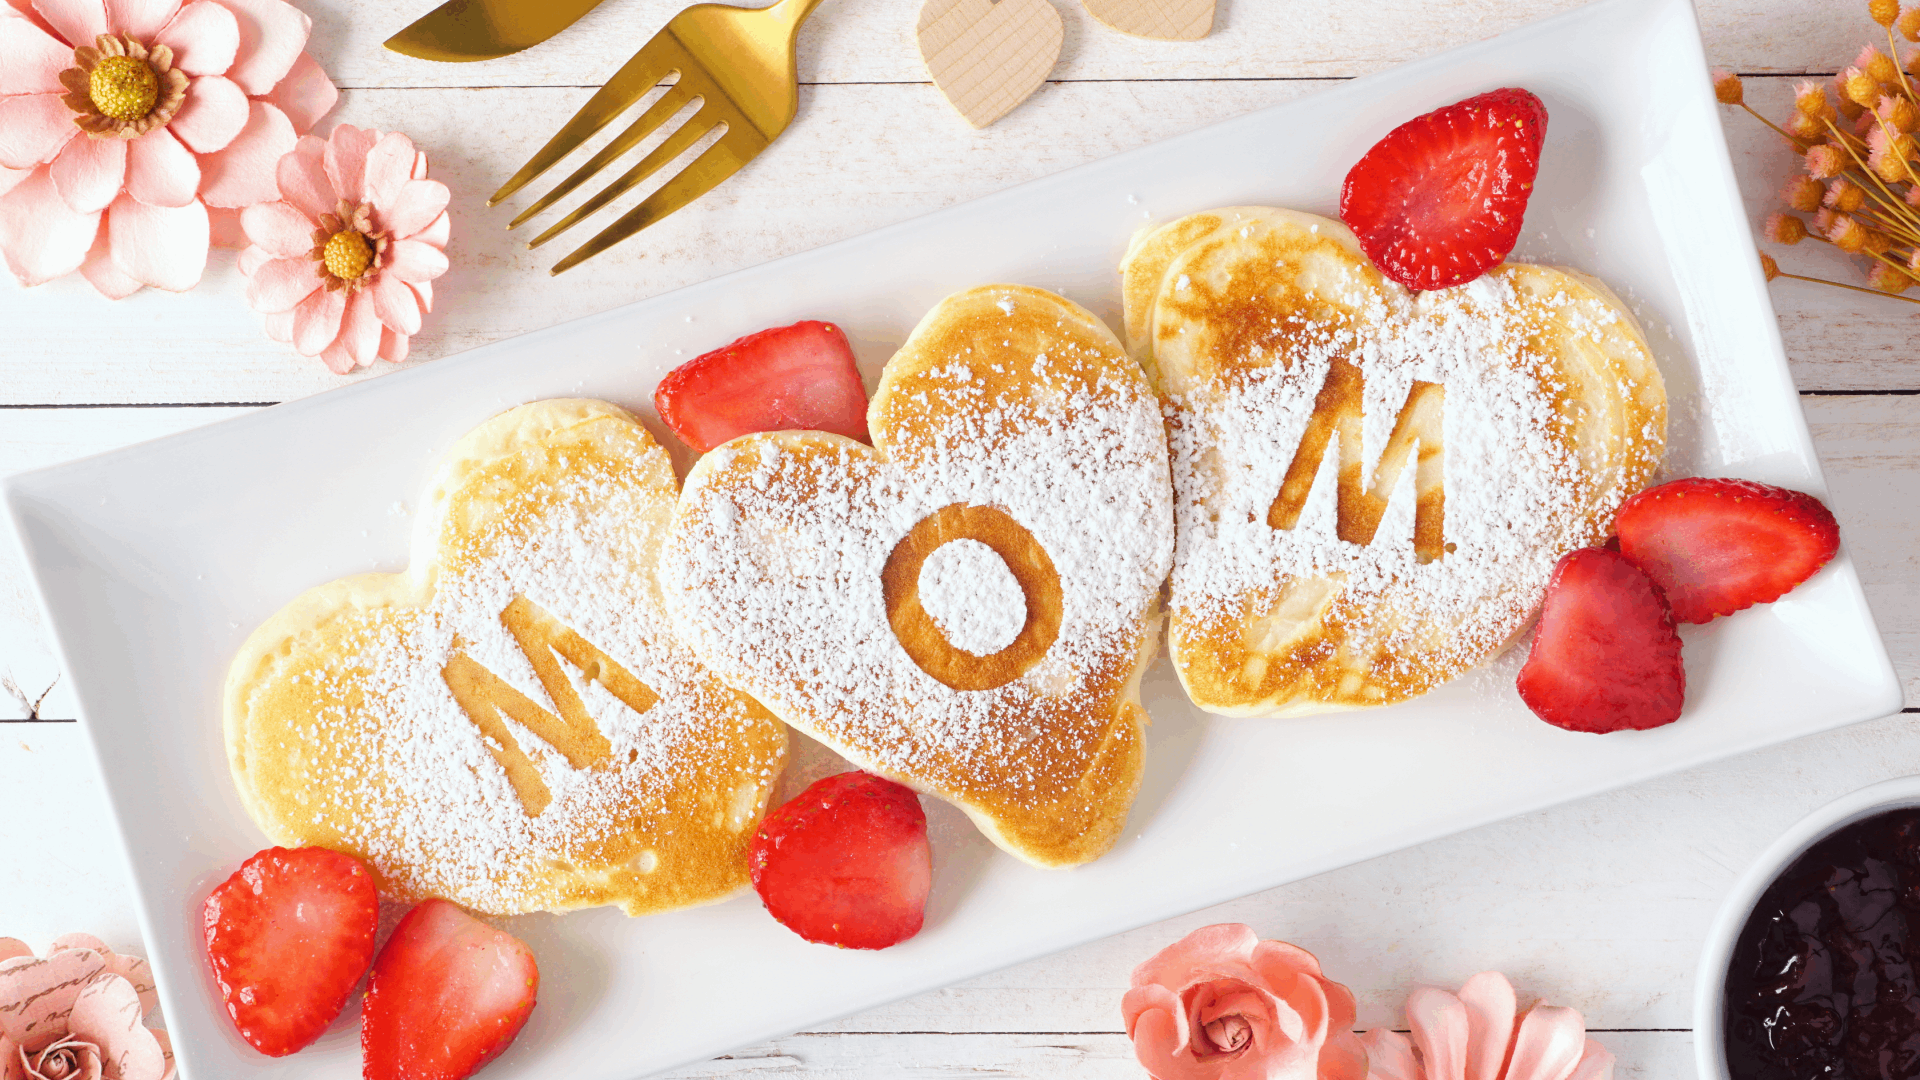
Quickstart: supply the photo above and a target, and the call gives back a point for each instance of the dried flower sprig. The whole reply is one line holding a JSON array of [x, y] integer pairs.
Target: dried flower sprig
[[1861, 160]]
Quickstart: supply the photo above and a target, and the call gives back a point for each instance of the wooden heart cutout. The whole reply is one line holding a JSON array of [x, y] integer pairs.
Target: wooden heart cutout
[[510, 723], [989, 55], [1161, 20]]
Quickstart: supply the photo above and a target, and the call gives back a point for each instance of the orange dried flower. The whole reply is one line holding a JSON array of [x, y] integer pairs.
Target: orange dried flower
[[1883, 11], [1878, 66], [1806, 128], [1848, 107], [1825, 161], [1726, 87], [1887, 154], [1823, 221], [1897, 112], [1859, 86], [1889, 279], [1844, 195], [1785, 229], [1909, 24], [1803, 193], [1847, 234], [1768, 266], [1811, 98]]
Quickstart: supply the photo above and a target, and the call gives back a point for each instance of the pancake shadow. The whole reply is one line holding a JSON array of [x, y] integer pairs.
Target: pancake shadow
[[1173, 740]]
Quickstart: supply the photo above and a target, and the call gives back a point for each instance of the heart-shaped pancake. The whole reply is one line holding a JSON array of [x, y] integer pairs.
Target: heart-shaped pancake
[[1373, 485], [510, 723], [988, 56], [967, 605]]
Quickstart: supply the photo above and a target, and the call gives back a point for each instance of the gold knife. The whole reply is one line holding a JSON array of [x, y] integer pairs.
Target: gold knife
[[462, 30]]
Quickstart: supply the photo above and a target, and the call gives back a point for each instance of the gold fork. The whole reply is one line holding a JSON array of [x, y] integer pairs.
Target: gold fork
[[737, 62]]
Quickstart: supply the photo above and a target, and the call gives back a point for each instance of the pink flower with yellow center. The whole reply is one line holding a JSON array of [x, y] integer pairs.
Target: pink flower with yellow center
[[342, 264], [129, 128]]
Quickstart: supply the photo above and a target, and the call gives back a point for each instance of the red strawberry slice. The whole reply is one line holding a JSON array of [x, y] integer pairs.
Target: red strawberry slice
[[846, 862], [791, 377], [1439, 201], [1605, 657], [288, 935], [1716, 546], [447, 995]]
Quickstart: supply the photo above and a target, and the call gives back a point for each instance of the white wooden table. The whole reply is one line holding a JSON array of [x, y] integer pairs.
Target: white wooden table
[[1600, 905]]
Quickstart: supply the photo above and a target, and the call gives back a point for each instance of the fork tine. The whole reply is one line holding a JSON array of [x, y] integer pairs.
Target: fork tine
[[696, 127], [724, 158], [655, 61], [658, 113]]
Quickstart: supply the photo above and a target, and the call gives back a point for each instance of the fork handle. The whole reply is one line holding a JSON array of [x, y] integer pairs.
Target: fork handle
[[791, 13]]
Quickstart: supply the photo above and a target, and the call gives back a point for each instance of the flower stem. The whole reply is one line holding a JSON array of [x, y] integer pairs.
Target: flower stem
[[1855, 288]]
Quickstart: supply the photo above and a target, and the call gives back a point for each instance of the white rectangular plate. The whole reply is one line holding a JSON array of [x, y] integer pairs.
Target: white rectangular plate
[[155, 562]]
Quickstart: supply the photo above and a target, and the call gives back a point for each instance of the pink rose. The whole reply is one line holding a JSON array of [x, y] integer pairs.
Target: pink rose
[[1474, 1036], [1220, 1004], [76, 1014]]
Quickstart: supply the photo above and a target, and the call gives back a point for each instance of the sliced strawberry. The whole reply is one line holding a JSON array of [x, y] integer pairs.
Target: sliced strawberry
[[1716, 546], [1439, 201], [791, 377], [447, 995], [288, 935], [1605, 657], [846, 862]]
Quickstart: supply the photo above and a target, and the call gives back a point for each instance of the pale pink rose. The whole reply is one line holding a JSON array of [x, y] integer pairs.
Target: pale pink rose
[[128, 128], [1478, 1034], [1220, 1004], [76, 1014], [342, 265]]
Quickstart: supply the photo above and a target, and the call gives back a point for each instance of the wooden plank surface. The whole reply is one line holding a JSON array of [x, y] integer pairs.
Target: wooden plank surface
[[1600, 904]]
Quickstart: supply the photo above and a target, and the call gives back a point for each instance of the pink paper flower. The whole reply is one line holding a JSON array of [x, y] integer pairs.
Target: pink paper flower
[[1220, 1004], [75, 1014], [342, 264], [1475, 1035], [127, 127]]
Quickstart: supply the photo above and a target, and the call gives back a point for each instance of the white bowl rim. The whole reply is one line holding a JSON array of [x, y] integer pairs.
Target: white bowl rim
[[1709, 980]]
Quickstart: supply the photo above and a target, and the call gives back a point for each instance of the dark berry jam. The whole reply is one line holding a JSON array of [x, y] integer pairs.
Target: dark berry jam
[[1822, 983]]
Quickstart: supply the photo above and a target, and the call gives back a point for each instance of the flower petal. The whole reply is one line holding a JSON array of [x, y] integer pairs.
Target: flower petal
[[12, 178], [273, 34], [78, 21], [436, 234], [281, 284], [135, 970], [1548, 1045], [393, 349], [389, 168], [166, 1051], [411, 260], [423, 290], [165, 247], [347, 150], [42, 238], [1439, 1023], [420, 204], [107, 1014], [306, 94], [26, 10], [360, 329], [33, 128], [395, 304], [420, 166], [30, 60], [214, 112], [1390, 1056], [279, 230], [224, 231], [316, 321], [302, 178], [1491, 1007], [11, 947], [204, 37], [88, 174], [107, 279], [244, 172], [1596, 1063], [38, 984], [279, 326], [337, 358], [143, 19], [1156, 1023], [160, 172]]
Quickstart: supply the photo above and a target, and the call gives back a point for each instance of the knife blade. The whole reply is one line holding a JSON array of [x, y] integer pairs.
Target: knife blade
[[459, 31]]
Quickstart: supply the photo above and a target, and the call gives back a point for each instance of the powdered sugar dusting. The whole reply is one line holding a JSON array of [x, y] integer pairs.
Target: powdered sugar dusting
[[973, 598]]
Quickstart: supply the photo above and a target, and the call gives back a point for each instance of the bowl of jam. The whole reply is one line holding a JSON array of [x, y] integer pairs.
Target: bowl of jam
[[1812, 968]]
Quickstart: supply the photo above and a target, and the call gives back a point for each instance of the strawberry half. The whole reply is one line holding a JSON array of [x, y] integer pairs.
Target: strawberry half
[[1716, 546], [447, 995], [791, 377], [1605, 657], [1439, 201], [288, 935], [846, 862]]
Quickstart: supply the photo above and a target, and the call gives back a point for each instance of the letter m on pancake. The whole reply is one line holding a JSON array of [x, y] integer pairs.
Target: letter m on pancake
[[485, 697], [1336, 415]]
